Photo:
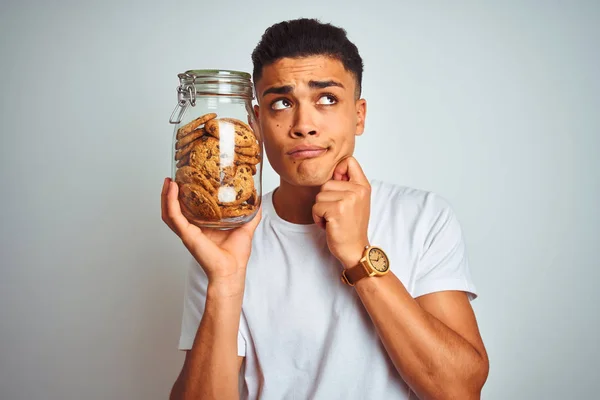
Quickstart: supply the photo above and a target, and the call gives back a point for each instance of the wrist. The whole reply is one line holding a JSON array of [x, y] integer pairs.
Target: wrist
[[226, 288], [353, 257], [223, 307]]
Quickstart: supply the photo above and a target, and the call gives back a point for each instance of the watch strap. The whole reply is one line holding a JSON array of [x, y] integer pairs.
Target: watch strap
[[354, 274]]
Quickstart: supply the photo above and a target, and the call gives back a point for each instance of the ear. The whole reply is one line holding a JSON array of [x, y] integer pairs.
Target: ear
[[254, 122], [256, 110], [361, 114]]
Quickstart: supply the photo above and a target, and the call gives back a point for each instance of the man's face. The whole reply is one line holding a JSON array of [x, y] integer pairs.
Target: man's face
[[309, 117]]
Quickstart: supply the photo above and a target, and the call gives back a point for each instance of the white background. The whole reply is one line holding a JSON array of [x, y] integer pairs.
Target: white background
[[494, 105]]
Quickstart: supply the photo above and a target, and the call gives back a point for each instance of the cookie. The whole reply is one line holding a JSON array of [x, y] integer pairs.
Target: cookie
[[237, 211], [242, 159], [238, 189], [229, 172], [184, 151], [194, 176], [204, 156], [211, 171], [238, 122], [183, 162], [186, 140], [199, 202], [204, 149], [189, 127], [253, 199], [186, 212], [244, 136], [251, 150]]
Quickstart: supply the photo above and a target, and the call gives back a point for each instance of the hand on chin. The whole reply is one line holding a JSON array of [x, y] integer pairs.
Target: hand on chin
[[342, 208]]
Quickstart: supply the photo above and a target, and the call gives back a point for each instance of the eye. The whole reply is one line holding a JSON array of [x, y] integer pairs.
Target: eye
[[327, 99], [281, 104]]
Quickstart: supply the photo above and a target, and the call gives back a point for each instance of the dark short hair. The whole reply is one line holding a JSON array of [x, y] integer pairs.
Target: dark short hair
[[304, 38]]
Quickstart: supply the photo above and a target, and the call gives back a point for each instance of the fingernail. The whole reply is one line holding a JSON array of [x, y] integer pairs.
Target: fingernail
[[164, 188]]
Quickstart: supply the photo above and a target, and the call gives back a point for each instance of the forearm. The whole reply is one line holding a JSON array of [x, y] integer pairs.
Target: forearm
[[434, 360], [212, 367]]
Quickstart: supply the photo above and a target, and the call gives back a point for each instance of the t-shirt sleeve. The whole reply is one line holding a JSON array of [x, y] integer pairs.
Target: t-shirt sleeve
[[193, 309], [443, 264]]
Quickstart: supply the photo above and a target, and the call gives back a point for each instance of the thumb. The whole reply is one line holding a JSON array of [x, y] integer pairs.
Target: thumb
[[240, 238], [250, 226], [350, 169]]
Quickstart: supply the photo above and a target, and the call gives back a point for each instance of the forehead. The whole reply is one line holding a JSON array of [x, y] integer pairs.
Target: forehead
[[298, 71]]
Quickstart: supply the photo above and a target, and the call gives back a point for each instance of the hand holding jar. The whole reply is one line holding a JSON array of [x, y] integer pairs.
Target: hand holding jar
[[223, 254], [212, 200]]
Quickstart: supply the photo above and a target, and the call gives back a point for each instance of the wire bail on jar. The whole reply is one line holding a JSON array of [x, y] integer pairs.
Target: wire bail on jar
[[182, 101]]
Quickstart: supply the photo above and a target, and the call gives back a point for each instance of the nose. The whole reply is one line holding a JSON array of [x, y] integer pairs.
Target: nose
[[303, 123]]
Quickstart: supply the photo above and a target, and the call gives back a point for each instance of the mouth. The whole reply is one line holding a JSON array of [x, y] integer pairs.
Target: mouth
[[304, 152]]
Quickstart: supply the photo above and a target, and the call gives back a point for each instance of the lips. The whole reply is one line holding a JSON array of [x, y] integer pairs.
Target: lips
[[306, 151]]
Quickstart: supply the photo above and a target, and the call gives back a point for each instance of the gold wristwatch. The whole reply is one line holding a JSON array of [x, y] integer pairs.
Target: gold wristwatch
[[374, 262]]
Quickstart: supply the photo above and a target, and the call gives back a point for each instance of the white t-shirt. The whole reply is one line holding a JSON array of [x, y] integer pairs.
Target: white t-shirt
[[305, 334]]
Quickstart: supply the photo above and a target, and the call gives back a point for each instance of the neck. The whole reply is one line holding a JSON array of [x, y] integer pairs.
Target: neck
[[294, 203]]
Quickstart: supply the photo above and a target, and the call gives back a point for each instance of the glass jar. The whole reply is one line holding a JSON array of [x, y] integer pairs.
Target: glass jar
[[217, 150]]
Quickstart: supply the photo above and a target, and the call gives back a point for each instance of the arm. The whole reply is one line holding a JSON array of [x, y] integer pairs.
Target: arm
[[433, 341], [211, 367]]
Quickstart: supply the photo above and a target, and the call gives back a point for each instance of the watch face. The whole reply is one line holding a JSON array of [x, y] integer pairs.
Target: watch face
[[379, 260]]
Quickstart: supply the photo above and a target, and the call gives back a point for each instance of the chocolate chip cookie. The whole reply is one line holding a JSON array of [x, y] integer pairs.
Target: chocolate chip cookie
[[194, 176], [238, 189], [188, 139], [237, 211], [199, 202], [244, 136], [191, 126]]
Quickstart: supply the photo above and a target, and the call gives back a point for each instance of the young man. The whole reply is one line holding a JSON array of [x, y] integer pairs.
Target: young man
[[287, 297]]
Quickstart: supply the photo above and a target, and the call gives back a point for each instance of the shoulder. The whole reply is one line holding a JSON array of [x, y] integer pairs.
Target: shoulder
[[407, 200], [416, 213]]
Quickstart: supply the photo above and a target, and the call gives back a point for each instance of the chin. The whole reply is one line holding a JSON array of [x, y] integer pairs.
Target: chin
[[305, 173], [307, 178]]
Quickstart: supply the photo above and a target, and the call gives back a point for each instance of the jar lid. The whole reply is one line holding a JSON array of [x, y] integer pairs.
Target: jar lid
[[209, 82], [217, 72]]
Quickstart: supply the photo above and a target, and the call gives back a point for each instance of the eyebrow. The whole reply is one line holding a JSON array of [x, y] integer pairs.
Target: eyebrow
[[279, 90], [286, 89], [324, 84]]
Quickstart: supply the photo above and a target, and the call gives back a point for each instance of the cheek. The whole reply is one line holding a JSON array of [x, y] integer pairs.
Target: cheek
[[273, 146], [274, 132]]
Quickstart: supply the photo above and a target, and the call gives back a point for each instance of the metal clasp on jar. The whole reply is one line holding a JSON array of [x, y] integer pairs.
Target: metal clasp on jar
[[186, 94]]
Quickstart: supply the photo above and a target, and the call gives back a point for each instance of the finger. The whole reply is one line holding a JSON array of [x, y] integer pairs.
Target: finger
[[164, 204], [321, 212], [250, 227], [321, 224], [165, 186], [341, 186], [352, 169], [320, 221], [233, 245], [200, 246], [340, 177], [178, 222], [332, 195]]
